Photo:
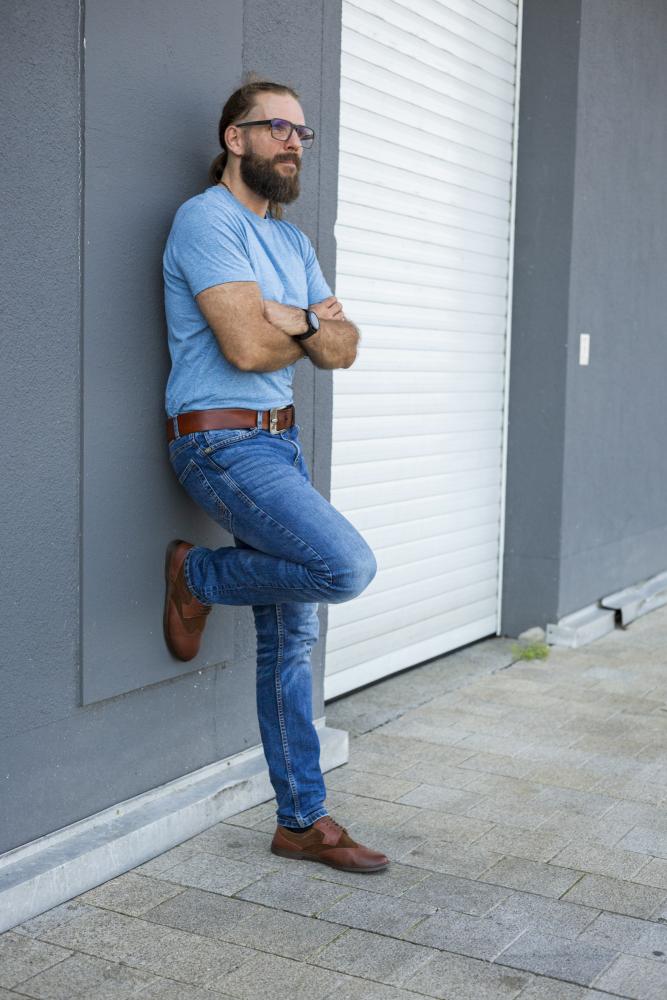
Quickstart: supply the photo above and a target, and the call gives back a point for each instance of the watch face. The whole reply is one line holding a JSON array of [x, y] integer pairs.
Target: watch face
[[313, 319]]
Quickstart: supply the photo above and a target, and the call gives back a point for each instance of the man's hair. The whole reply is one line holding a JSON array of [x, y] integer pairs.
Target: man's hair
[[235, 109]]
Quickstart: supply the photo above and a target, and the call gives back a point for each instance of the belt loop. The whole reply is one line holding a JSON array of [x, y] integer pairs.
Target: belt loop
[[260, 414], [174, 420]]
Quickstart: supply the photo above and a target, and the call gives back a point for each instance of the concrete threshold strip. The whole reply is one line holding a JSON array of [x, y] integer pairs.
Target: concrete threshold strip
[[596, 620], [52, 869]]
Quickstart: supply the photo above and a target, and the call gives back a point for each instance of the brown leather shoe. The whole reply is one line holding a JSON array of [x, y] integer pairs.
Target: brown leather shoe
[[184, 614], [329, 843]]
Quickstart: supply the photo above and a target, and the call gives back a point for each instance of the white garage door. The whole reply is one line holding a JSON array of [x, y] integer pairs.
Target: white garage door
[[424, 243]]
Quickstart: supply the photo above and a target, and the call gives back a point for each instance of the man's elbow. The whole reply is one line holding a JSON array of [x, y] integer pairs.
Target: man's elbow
[[246, 363], [241, 357], [252, 354], [351, 356]]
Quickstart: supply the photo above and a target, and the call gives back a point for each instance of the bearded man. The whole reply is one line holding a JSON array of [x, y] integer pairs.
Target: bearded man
[[246, 300]]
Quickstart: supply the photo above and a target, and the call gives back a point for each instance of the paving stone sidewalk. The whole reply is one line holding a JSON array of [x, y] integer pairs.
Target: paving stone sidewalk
[[523, 805]]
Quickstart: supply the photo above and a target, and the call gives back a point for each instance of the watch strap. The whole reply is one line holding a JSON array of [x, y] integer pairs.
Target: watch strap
[[309, 332]]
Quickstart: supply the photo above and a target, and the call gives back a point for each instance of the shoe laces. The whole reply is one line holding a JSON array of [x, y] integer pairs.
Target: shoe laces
[[330, 819]]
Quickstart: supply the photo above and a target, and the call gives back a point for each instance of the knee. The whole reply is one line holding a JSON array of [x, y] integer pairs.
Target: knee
[[353, 576]]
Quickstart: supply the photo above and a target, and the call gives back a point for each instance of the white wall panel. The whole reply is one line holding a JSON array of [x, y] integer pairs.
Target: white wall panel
[[426, 169]]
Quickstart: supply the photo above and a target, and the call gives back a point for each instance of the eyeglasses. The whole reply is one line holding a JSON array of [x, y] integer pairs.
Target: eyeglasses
[[281, 129]]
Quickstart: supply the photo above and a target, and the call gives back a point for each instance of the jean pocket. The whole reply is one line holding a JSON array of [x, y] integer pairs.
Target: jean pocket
[[179, 444], [210, 442], [205, 492], [294, 441], [185, 472], [180, 459]]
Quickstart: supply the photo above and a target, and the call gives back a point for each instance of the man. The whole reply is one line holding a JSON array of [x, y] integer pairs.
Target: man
[[245, 300]]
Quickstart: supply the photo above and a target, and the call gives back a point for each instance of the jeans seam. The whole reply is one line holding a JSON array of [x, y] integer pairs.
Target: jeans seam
[[224, 508], [263, 586], [311, 817], [281, 717], [295, 446], [175, 452], [188, 580], [213, 449], [315, 814], [237, 489], [186, 472]]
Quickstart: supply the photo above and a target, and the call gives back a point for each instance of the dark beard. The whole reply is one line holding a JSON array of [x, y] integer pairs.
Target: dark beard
[[266, 179]]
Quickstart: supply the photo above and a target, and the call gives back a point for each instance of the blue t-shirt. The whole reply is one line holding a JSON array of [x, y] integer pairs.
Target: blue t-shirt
[[215, 238]]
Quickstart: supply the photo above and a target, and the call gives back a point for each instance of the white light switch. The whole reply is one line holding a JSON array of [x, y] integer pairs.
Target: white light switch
[[584, 348]]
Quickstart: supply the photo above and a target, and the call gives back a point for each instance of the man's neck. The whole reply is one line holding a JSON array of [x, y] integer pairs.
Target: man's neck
[[245, 195]]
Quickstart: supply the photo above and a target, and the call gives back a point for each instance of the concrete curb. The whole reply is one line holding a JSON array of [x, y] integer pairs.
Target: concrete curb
[[38, 876]]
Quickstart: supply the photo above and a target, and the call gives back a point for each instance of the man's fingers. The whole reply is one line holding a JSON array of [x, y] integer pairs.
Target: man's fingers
[[329, 308]]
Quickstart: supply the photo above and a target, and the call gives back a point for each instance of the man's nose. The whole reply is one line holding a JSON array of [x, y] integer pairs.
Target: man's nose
[[293, 142]]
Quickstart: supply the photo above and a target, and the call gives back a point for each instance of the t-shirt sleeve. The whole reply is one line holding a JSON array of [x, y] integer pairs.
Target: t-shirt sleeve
[[318, 288], [208, 250]]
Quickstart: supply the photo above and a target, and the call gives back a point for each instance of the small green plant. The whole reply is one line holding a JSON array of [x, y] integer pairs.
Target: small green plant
[[532, 651]]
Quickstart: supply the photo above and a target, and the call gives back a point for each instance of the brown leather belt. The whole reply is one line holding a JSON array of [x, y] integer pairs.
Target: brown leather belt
[[274, 420]]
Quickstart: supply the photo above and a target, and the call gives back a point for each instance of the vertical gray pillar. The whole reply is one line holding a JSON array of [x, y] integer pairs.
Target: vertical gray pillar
[[537, 389], [587, 472]]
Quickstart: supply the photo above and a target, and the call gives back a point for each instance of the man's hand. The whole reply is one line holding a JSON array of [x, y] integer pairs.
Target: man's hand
[[333, 346], [291, 319], [328, 308]]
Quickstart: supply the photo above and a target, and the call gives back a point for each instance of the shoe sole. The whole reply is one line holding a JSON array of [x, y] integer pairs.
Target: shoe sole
[[167, 562], [302, 856]]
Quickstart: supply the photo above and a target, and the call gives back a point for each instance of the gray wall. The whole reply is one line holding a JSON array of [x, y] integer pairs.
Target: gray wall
[[615, 470], [587, 467], [87, 493]]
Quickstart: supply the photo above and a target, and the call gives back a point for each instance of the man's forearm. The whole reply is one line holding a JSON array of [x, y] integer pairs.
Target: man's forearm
[[273, 345], [334, 345], [273, 349]]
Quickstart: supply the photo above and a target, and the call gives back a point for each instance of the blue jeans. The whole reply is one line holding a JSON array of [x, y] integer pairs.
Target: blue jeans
[[292, 550]]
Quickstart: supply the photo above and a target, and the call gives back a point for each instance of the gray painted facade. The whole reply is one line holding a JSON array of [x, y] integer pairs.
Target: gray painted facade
[[587, 467], [94, 710]]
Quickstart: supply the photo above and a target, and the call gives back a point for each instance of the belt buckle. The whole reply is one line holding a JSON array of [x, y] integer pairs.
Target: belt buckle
[[273, 422]]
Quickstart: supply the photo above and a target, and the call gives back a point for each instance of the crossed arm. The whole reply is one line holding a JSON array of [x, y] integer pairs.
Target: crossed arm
[[257, 334]]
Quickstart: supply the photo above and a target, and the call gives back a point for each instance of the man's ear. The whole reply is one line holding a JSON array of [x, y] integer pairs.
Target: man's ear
[[233, 140]]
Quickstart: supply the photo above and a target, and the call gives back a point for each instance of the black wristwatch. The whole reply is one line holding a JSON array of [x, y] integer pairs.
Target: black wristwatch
[[313, 322]]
